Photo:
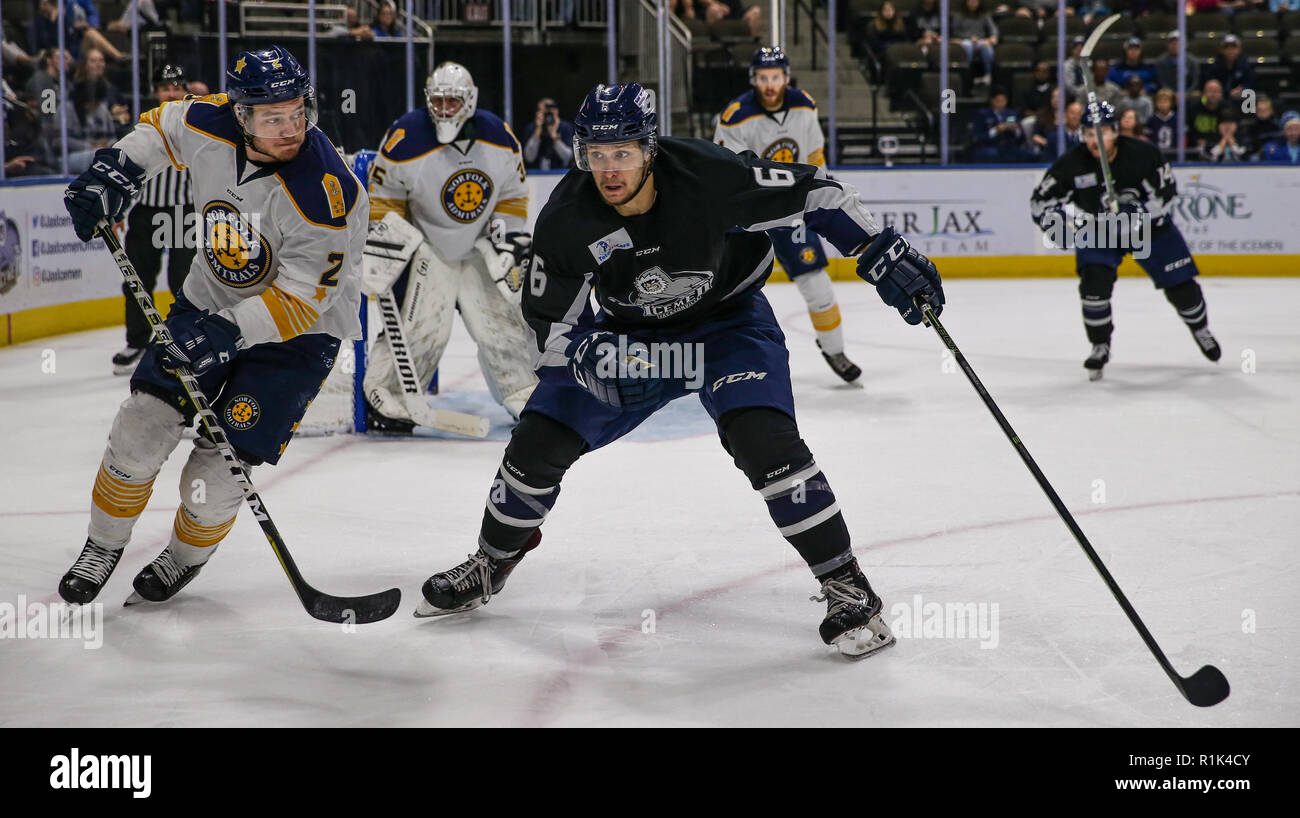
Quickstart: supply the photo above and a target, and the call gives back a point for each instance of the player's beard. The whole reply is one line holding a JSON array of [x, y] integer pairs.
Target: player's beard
[[771, 97], [280, 150]]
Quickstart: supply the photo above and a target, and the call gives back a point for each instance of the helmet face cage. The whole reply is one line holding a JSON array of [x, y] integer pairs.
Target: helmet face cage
[[448, 84], [606, 157], [278, 120]]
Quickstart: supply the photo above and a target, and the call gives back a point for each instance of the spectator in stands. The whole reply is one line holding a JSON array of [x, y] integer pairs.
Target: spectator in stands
[[1167, 66], [147, 13], [1227, 149], [1205, 116], [1162, 125], [886, 29], [1073, 124], [1133, 66], [925, 23], [548, 139], [1042, 87], [46, 79], [1107, 91], [975, 30], [1074, 68], [715, 10], [15, 56], [682, 8], [80, 19], [91, 72], [1043, 139], [1091, 10], [1285, 150], [1261, 127], [996, 135], [26, 153], [385, 22], [351, 27], [1130, 125], [1135, 99], [1039, 9], [1233, 71]]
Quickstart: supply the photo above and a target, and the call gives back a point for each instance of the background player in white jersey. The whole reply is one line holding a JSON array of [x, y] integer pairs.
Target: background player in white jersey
[[456, 174], [274, 288], [778, 122]]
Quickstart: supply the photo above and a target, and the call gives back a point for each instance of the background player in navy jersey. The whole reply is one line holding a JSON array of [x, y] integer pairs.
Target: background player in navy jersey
[[667, 235], [1144, 184]]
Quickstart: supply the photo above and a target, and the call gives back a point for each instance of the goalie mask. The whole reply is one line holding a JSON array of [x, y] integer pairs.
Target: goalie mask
[[452, 98]]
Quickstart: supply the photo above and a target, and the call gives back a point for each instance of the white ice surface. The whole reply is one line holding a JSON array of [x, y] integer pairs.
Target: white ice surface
[[1201, 471]]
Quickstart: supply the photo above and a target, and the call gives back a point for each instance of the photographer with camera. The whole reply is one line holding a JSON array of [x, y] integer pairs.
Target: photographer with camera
[[548, 139]]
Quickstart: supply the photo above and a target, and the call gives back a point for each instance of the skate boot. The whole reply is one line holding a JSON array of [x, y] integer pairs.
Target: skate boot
[[378, 423], [852, 624], [472, 583], [86, 578], [843, 367], [125, 361], [1098, 358], [161, 579], [1209, 346]]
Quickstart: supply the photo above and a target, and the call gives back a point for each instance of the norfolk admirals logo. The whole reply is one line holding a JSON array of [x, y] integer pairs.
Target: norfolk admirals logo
[[660, 295], [782, 150], [243, 412], [236, 252], [466, 194]]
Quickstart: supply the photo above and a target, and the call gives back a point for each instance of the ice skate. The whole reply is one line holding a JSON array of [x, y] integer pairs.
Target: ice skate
[[86, 578], [852, 625], [841, 365], [377, 423], [124, 362], [471, 584], [162, 579], [1209, 346], [1097, 359]]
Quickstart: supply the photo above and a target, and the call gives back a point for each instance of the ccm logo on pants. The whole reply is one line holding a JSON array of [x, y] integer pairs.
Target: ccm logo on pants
[[739, 376]]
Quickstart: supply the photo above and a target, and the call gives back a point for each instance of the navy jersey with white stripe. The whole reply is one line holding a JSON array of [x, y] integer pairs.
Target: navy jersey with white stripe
[[699, 247]]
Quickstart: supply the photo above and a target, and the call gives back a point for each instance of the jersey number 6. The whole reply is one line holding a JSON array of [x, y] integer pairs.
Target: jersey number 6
[[773, 177], [537, 278]]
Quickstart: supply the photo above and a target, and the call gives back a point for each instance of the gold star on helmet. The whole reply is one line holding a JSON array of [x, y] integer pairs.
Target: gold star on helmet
[[239, 66]]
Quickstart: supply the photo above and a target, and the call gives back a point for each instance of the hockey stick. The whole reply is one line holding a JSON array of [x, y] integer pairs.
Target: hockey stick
[[1112, 201], [1205, 687], [419, 410], [350, 610]]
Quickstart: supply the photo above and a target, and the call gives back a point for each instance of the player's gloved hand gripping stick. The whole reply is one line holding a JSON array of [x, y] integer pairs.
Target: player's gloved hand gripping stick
[[358, 610], [1205, 687]]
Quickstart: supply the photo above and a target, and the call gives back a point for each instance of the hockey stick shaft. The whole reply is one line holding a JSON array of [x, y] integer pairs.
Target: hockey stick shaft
[[1112, 201], [322, 606], [1202, 689], [454, 422]]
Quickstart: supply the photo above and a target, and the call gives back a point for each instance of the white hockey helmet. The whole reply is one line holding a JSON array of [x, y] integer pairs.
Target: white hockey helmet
[[452, 98]]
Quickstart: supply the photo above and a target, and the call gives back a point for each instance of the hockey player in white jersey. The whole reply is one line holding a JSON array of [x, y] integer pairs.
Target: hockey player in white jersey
[[274, 288], [778, 122], [448, 186]]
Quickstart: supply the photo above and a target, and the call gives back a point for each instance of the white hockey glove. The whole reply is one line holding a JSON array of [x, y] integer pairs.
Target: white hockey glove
[[390, 244], [513, 257]]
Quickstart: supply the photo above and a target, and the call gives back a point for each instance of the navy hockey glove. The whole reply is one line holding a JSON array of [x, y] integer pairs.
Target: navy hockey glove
[[901, 274], [200, 341], [104, 192], [615, 374]]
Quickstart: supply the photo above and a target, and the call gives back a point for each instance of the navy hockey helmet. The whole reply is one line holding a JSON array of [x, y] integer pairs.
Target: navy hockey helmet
[[362, 161], [774, 57], [266, 77], [1103, 113], [616, 114], [169, 74]]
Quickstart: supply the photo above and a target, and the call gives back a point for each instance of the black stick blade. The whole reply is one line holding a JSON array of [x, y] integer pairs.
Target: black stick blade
[[357, 610], [1206, 687]]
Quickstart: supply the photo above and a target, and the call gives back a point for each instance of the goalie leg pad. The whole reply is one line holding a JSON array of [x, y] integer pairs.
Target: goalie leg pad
[[497, 327], [527, 484], [766, 446], [145, 432], [210, 499]]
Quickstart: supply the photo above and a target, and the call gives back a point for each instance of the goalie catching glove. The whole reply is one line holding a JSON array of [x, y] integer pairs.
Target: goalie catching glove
[[390, 245]]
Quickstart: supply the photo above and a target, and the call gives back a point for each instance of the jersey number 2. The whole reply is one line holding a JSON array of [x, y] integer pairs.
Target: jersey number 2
[[330, 278]]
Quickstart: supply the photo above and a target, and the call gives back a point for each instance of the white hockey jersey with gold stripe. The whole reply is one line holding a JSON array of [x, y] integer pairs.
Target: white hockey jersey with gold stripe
[[279, 246], [453, 191], [791, 134]]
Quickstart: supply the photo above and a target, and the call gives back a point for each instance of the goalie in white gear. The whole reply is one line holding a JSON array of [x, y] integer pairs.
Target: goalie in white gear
[[778, 122], [449, 187]]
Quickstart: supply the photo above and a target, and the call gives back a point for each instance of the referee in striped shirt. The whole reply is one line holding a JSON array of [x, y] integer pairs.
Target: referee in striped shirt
[[161, 215]]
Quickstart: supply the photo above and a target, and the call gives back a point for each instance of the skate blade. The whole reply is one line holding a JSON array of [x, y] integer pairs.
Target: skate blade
[[133, 599], [862, 642], [1094, 374], [426, 611]]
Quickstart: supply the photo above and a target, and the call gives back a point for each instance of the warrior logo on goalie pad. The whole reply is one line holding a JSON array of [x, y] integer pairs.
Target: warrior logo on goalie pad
[[466, 195], [235, 251]]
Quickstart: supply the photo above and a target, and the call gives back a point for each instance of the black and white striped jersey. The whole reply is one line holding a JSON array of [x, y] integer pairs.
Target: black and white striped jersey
[[171, 188]]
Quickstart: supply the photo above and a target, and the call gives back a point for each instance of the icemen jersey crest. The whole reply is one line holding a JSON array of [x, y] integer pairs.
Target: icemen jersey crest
[[791, 134], [699, 247], [279, 246], [1139, 170], [451, 192]]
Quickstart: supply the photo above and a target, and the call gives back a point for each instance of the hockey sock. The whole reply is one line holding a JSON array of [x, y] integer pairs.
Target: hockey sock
[[527, 483], [210, 500], [766, 446], [1189, 302], [144, 433], [819, 294], [1095, 286]]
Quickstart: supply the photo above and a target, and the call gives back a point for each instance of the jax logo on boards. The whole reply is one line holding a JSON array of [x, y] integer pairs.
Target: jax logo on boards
[[959, 223], [236, 252], [76, 771]]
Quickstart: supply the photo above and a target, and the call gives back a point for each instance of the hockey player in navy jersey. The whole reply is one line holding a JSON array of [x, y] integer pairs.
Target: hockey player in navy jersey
[[666, 236]]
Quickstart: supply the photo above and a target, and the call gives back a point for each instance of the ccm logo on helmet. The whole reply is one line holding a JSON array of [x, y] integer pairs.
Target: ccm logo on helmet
[[603, 127], [281, 83]]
